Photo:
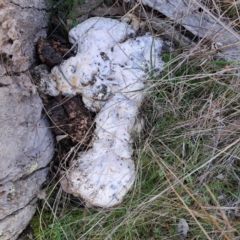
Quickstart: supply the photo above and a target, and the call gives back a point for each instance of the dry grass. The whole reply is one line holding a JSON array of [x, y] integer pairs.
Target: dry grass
[[187, 159]]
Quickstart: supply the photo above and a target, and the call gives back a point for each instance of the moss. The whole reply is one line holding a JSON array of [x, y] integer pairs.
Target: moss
[[33, 167]]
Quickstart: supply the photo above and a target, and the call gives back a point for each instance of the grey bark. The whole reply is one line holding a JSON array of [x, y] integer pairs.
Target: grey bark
[[26, 143]]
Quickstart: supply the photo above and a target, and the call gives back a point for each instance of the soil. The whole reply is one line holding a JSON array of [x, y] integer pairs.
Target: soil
[[72, 119]]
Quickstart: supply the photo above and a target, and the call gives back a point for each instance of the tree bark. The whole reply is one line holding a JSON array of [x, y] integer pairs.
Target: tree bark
[[26, 143], [199, 20]]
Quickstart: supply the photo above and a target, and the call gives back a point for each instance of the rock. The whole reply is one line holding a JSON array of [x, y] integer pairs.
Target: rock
[[26, 143]]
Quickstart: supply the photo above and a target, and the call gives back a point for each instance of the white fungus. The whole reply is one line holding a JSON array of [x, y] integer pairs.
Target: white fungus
[[109, 70]]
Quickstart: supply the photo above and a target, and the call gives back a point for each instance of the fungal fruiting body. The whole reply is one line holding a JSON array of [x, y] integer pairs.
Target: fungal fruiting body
[[109, 70]]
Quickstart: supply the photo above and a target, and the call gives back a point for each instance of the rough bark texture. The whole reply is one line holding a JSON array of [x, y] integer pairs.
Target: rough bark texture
[[198, 19], [26, 143], [21, 26]]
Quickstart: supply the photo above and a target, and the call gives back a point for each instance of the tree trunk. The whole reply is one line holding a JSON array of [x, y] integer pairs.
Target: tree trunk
[[26, 143]]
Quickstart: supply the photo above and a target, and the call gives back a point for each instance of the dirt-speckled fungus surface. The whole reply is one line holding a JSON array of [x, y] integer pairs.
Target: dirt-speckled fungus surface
[[109, 70]]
